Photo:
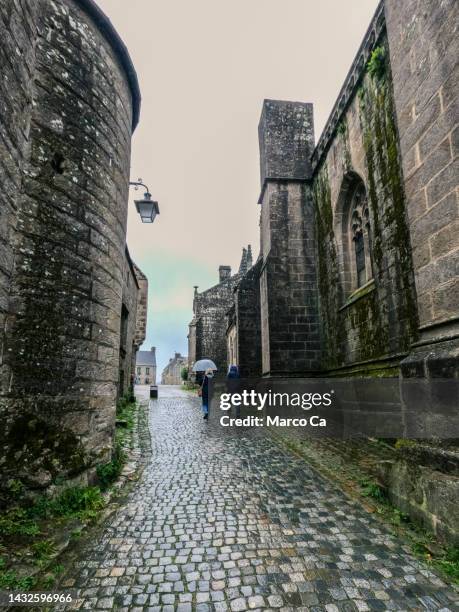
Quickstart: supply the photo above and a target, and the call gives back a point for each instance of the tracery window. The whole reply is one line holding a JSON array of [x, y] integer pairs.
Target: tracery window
[[359, 234]]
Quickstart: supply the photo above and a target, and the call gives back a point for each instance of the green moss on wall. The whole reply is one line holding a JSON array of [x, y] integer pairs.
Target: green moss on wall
[[333, 336], [382, 321], [391, 240]]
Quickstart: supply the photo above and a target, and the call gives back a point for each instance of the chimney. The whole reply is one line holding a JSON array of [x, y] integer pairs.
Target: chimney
[[243, 264], [224, 273]]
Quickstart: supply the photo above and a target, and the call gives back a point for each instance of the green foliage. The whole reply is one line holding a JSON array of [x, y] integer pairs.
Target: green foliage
[[362, 99], [11, 581], [18, 522], [44, 548], [402, 443], [399, 517], [376, 66], [123, 404], [23, 526], [449, 564], [49, 581], [58, 569], [15, 487], [74, 502], [78, 502], [184, 374], [109, 472], [372, 489], [43, 551], [125, 411], [20, 526]]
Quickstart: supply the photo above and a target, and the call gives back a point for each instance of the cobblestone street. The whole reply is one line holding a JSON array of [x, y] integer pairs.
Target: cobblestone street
[[234, 523]]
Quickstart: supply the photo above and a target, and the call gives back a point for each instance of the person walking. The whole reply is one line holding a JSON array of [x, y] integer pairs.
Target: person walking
[[233, 384], [205, 392]]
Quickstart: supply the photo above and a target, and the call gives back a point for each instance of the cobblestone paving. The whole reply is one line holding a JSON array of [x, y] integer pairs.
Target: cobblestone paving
[[233, 523]]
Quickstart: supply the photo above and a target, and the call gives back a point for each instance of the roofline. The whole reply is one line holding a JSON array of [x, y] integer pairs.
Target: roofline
[[131, 265], [106, 27], [353, 79]]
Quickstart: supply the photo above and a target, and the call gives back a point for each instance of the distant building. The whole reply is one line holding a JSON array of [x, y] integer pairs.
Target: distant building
[[172, 373], [145, 372], [207, 330]]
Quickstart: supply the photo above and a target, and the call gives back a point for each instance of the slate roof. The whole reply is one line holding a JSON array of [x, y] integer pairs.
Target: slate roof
[[146, 358]]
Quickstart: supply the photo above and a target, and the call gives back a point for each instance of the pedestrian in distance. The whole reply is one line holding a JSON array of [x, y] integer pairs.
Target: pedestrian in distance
[[233, 384], [205, 392]]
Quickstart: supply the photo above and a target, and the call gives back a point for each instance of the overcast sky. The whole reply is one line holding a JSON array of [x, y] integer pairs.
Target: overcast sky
[[205, 67]]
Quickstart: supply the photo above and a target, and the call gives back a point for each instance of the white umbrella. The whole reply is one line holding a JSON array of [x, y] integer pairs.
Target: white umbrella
[[204, 364]]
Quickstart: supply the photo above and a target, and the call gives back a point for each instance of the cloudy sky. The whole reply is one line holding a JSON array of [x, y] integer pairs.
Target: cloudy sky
[[205, 67]]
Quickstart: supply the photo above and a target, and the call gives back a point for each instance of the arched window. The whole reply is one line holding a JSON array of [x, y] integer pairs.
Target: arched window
[[359, 234], [352, 229]]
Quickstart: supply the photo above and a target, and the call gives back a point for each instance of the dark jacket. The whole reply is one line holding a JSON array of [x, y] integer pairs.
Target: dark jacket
[[205, 390]]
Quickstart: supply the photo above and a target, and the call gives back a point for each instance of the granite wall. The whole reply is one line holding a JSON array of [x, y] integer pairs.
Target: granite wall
[[288, 297], [65, 160], [366, 326]]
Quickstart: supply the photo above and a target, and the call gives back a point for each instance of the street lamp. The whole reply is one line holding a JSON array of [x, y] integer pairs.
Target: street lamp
[[147, 208]]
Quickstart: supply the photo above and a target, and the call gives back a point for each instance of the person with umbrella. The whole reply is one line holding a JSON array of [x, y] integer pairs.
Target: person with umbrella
[[205, 392], [208, 367]]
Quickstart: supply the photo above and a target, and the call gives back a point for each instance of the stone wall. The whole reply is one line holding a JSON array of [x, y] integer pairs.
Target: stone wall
[[372, 325], [210, 308], [129, 327], [289, 301], [18, 33], [142, 308], [207, 330], [67, 159], [247, 323], [358, 266], [424, 47]]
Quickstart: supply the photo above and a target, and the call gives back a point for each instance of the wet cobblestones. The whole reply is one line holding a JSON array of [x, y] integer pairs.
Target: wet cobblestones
[[232, 523]]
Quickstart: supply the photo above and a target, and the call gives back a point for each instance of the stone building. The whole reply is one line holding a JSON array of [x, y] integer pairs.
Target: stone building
[[133, 323], [70, 101], [145, 373], [243, 331], [142, 307], [172, 373], [207, 330], [358, 268], [358, 265]]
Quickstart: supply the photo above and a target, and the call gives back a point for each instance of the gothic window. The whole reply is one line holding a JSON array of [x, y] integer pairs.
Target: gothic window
[[359, 234]]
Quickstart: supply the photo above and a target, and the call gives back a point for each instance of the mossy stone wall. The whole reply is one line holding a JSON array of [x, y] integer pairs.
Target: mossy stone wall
[[67, 209], [380, 320]]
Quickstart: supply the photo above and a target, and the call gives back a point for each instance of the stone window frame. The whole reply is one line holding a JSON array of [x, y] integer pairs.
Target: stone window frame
[[353, 218]]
